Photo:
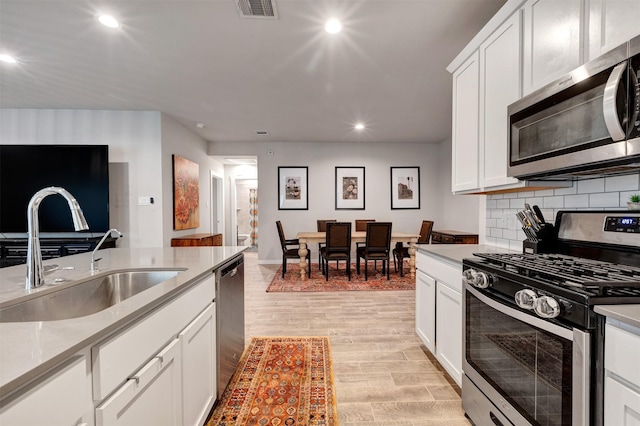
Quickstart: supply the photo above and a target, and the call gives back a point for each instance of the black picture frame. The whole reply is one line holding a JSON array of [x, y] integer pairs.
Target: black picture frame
[[350, 188], [293, 188], [405, 188]]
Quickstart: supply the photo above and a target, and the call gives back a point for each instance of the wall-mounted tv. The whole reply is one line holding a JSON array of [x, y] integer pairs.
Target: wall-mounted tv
[[83, 170]]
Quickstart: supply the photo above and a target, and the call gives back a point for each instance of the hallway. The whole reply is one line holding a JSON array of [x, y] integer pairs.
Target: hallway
[[382, 374]]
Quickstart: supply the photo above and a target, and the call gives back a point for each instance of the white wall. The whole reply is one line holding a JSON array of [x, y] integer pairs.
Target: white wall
[[322, 158], [177, 139]]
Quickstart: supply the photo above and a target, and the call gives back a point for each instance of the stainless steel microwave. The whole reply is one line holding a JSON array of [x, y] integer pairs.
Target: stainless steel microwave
[[584, 124]]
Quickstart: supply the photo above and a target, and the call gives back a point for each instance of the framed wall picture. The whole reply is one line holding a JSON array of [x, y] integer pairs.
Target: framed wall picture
[[186, 193], [405, 188], [293, 188], [349, 188]]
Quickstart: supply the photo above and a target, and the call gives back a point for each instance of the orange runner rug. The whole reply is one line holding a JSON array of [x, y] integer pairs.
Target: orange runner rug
[[285, 381]]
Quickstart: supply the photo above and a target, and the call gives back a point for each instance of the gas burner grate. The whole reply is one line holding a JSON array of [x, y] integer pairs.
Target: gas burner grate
[[596, 277]]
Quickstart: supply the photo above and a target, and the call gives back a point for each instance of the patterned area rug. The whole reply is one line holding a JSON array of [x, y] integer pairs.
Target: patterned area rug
[[338, 279], [280, 381]]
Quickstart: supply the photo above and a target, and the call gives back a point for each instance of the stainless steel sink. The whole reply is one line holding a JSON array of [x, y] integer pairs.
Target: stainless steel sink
[[85, 298]]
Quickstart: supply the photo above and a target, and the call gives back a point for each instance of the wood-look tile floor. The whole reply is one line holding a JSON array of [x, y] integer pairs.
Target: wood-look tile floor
[[383, 374]]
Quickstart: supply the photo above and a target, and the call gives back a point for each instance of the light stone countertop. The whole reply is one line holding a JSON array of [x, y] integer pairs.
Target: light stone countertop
[[28, 349], [629, 314], [457, 252]]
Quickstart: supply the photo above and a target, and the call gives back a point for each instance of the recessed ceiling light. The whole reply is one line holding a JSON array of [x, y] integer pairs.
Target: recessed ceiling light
[[108, 21], [359, 126], [200, 125], [8, 59], [333, 26]]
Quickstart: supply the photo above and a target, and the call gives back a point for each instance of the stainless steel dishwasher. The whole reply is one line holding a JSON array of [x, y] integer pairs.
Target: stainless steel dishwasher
[[229, 319]]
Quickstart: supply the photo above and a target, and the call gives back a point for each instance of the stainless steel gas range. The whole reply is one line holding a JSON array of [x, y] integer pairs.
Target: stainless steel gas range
[[533, 348]]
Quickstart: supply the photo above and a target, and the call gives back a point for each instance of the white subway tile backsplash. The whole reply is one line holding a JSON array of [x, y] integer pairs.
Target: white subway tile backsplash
[[590, 186], [576, 201], [502, 204], [621, 183], [517, 203], [544, 193], [554, 202], [604, 199], [566, 191], [503, 229]]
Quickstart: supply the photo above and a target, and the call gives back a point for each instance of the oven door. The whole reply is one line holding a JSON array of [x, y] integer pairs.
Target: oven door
[[531, 370]]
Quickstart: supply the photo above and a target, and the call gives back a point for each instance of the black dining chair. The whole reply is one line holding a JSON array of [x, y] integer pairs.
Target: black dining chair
[[377, 247], [290, 250], [322, 227], [338, 247], [401, 252]]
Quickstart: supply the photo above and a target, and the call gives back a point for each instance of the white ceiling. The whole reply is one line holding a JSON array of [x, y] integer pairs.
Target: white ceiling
[[199, 61]]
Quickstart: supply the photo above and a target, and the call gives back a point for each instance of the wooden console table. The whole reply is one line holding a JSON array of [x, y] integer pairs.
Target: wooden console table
[[453, 237], [197, 240]]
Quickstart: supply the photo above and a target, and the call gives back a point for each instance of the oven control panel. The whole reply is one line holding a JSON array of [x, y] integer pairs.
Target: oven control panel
[[627, 224]]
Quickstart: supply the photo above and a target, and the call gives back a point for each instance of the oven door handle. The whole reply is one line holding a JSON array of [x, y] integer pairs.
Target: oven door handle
[[540, 323], [610, 103]]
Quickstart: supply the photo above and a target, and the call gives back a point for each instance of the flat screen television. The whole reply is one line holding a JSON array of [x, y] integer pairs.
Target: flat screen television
[[83, 170]]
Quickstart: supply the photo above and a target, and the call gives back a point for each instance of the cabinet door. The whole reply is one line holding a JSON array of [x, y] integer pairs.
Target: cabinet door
[[153, 396], [62, 399], [426, 310], [611, 23], [553, 40], [621, 404], [464, 143], [449, 330], [198, 342], [499, 87]]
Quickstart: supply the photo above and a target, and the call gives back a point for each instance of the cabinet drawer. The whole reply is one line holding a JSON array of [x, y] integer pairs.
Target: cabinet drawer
[[62, 398], [152, 396], [444, 271], [115, 359], [622, 353]]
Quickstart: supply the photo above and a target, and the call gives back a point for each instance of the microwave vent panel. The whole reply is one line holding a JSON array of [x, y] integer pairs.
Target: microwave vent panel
[[265, 9]]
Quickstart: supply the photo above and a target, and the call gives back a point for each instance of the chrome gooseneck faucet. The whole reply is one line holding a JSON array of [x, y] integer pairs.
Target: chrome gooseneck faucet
[[93, 254], [35, 276]]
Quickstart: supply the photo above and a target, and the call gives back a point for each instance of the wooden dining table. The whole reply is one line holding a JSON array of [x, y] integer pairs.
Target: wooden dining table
[[358, 236]]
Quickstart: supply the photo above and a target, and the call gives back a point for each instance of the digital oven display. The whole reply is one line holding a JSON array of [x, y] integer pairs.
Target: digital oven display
[[622, 224]]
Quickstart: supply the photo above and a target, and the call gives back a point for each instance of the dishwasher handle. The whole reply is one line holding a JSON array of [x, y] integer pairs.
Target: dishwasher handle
[[231, 269]]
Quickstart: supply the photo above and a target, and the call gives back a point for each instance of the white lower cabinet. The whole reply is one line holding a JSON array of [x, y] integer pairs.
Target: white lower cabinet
[[61, 398], [439, 310], [198, 344], [152, 396], [426, 309], [622, 376], [449, 330]]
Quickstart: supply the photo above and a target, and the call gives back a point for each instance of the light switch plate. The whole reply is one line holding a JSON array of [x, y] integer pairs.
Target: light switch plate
[[144, 201]]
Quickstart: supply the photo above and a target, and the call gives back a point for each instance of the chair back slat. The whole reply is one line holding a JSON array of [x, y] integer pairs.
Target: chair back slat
[[378, 236], [281, 235], [322, 224], [338, 236], [425, 232], [361, 224]]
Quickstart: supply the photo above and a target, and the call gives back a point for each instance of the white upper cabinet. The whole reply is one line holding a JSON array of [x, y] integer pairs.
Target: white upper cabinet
[[611, 23], [554, 34], [466, 93], [500, 59]]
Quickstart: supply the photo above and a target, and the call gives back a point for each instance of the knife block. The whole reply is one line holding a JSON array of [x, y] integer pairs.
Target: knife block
[[546, 241]]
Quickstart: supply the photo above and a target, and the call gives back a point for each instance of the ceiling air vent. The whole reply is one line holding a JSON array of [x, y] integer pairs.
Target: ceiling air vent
[[261, 132], [257, 9]]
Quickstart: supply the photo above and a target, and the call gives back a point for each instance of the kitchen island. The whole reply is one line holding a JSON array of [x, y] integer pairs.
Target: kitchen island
[[36, 351]]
